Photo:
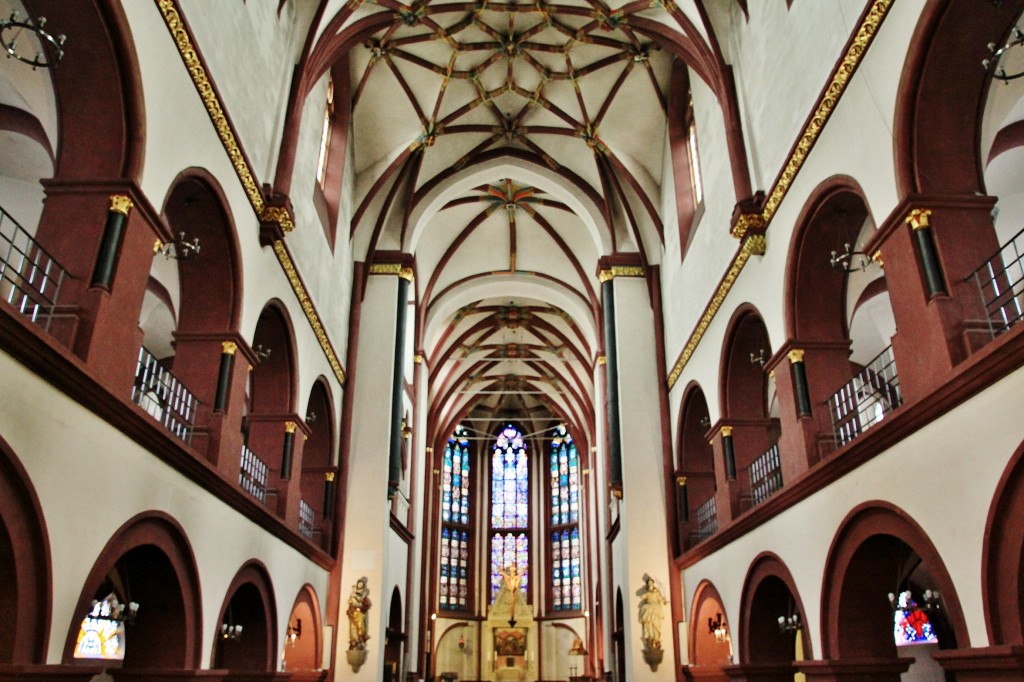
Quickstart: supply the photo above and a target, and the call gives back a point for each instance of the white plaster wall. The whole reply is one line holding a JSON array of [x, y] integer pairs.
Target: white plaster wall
[[180, 135], [73, 458], [951, 464]]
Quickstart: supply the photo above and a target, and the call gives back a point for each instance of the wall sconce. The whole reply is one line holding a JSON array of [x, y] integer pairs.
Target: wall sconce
[[992, 64], [462, 644], [718, 628], [179, 249], [262, 352], [758, 359], [790, 623], [53, 46], [294, 631], [850, 260]]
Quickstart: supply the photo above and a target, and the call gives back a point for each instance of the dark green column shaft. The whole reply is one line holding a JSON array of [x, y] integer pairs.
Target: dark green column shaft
[[612, 388], [397, 389]]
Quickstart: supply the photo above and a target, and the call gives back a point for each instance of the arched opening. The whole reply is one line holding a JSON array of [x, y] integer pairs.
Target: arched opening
[[245, 638], [745, 409], [887, 594], [395, 639], [303, 645], [696, 510], [148, 562], [1003, 557], [315, 513], [710, 634], [773, 623], [840, 319], [24, 566]]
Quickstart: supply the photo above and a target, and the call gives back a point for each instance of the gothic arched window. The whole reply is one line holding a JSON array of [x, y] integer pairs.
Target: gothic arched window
[[566, 586], [455, 523], [510, 507]]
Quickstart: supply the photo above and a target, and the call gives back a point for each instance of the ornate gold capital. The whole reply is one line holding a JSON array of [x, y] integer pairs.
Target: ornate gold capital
[[386, 269], [680, 481], [406, 274], [796, 355], [329, 476], [289, 427], [602, 360], [279, 215], [605, 276], [877, 257], [418, 358], [120, 203], [228, 347], [157, 245], [746, 222], [919, 218], [726, 432]]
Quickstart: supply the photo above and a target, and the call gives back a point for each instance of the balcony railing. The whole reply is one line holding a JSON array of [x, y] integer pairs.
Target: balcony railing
[[30, 279], [164, 397], [253, 475], [1000, 282], [707, 519], [765, 476], [866, 399], [306, 520]]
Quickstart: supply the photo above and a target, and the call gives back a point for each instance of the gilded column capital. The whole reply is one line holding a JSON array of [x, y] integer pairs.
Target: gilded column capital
[[605, 275], [877, 257], [681, 481], [602, 360], [121, 203], [919, 218], [418, 358], [228, 347], [726, 432], [796, 355], [290, 426], [329, 476], [406, 274]]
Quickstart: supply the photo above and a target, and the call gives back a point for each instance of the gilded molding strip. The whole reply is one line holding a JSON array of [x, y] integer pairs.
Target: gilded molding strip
[[621, 271], [278, 214], [307, 307], [827, 103], [386, 269], [172, 17]]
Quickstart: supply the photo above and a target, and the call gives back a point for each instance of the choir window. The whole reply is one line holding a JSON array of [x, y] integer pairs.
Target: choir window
[[325, 134], [696, 181], [510, 507], [455, 523], [566, 588]]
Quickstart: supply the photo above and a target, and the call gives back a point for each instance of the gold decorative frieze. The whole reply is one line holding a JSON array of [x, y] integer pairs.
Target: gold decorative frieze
[[919, 218], [386, 269], [755, 244], [826, 105], [307, 307], [228, 347], [120, 203], [621, 271]]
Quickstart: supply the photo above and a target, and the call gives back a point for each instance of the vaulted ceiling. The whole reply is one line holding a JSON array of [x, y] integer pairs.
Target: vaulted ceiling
[[508, 146]]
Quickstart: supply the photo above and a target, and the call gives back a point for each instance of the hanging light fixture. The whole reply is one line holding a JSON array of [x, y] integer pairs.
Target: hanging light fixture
[[294, 632], [1001, 67], [790, 623], [179, 249], [850, 260], [52, 46], [718, 628]]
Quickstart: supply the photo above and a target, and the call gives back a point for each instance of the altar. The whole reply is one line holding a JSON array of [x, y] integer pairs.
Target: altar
[[511, 641]]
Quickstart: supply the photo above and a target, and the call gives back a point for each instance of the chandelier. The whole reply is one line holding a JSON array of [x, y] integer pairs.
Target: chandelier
[[11, 30], [1010, 68]]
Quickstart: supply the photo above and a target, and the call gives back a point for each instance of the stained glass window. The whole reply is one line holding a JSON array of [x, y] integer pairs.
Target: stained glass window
[[567, 590], [454, 588], [510, 506], [911, 624]]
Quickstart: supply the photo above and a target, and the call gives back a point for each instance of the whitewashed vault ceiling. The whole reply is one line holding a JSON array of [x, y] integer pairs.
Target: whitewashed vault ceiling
[[508, 146]]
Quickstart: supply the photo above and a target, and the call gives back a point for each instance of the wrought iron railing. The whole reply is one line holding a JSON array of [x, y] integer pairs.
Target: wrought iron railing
[[707, 519], [306, 520], [1000, 282], [30, 278], [253, 475], [866, 399], [765, 476], [165, 398]]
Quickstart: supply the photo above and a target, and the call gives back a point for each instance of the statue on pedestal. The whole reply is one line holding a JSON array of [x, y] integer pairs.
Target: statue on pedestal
[[651, 613], [358, 606]]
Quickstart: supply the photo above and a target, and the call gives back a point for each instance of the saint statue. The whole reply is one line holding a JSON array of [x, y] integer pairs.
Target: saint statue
[[650, 613], [358, 605]]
